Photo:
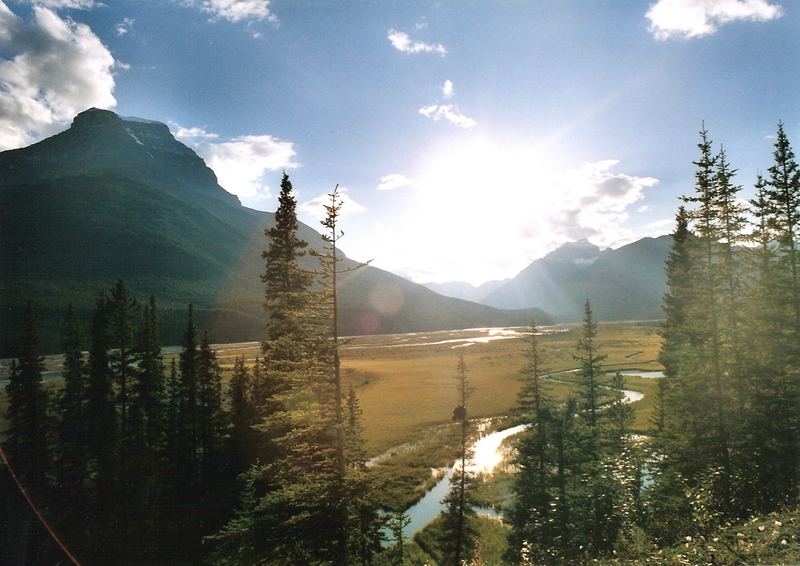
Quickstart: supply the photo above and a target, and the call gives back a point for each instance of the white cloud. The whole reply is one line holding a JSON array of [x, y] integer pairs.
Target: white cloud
[[447, 89], [191, 135], [422, 23], [696, 18], [449, 112], [520, 206], [402, 42], [125, 26], [394, 181], [241, 163], [55, 69], [315, 208], [235, 10], [67, 4]]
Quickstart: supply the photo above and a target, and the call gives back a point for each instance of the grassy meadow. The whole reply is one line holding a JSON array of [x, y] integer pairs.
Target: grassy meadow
[[407, 390]]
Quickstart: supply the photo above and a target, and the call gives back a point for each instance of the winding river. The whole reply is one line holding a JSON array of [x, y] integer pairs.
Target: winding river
[[488, 452]]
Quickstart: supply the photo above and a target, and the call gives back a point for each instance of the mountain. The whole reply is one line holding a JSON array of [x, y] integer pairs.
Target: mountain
[[464, 290], [116, 197], [623, 284]]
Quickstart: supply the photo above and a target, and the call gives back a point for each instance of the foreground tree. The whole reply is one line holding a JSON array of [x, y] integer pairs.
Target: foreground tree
[[458, 534], [591, 369], [530, 516]]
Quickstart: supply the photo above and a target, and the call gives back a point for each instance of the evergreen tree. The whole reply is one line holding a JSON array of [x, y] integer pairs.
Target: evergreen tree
[[458, 534], [209, 401], [782, 191], [620, 412], [590, 370], [148, 390], [297, 500], [72, 434], [121, 333], [675, 301], [188, 411], [241, 414], [531, 524], [704, 391], [101, 421], [26, 438]]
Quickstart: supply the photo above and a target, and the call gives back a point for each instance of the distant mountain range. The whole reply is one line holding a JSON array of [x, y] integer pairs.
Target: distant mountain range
[[116, 197], [466, 291], [623, 284]]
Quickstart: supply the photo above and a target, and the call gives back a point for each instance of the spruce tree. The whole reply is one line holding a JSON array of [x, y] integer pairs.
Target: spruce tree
[[620, 412], [458, 533], [783, 194], [209, 402], [148, 389], [242, 416], [530, 520], [675, 301], [188, 410], [72, 434], [26, 438], [102, 422], [590, 371]]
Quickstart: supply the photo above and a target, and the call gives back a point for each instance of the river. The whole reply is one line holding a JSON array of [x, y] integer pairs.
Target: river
[[488, 452]]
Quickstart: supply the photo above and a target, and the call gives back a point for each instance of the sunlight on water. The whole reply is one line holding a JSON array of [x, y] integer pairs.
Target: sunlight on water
[[487, 454]]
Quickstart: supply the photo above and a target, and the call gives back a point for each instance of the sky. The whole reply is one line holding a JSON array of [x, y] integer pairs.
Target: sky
[[469, 138]]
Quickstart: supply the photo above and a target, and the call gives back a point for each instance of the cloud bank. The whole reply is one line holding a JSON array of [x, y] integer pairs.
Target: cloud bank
[[56, 68], [684, 19]]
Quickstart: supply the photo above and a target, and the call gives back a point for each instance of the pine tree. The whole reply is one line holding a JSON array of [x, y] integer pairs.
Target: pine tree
[[458, 534], [531, 524], [121, 333], [101, 421], [209, 403], [294, 501], [783, 194], [242, 416], [773, 396], [72, 434], [620, 413], [364, 520], [26, 438], [705, 384], [287, 349], [148, 389], [188, 410], [675, 301], [591, 370]]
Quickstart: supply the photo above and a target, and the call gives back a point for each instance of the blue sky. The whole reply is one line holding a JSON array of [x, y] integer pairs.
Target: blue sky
[[471, 137]]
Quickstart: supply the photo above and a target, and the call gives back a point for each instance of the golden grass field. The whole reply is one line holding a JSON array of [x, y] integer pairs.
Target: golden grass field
[[406, 387], [406, 383]]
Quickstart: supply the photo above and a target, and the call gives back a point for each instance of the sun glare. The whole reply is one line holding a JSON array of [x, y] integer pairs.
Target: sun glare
[[464, 202]]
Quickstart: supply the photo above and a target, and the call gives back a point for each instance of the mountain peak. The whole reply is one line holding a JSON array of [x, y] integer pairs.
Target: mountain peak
[[95, 118], [581, 252], [102, 143]]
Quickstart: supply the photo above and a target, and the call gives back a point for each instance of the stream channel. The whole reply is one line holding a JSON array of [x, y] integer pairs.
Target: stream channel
[[488, 452]]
